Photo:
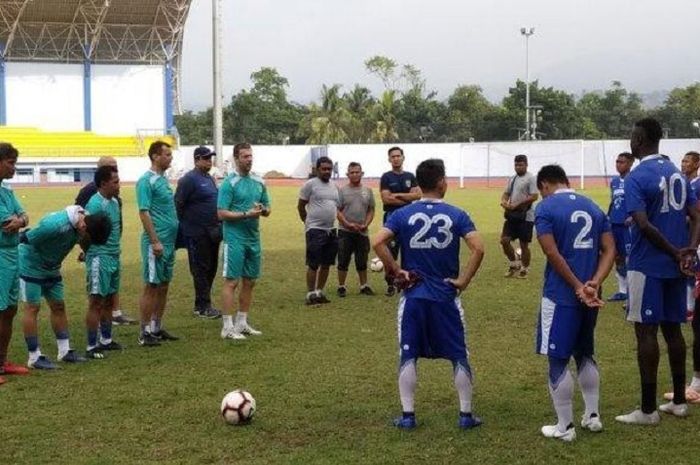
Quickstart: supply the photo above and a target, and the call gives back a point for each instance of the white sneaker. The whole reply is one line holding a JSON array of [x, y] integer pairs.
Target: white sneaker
[[552, 431], [679, 410], [246, 329], [230, 333], [638, 417], [592, 423]]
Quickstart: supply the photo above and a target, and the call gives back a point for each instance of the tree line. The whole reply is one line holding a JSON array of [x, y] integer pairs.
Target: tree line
[[407, 111]]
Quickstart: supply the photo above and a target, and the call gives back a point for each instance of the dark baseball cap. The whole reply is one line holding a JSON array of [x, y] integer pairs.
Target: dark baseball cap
[[203, 152]]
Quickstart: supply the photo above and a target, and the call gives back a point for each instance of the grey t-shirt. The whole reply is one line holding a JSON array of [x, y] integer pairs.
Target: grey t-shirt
[[354, 202], [323, 203], [521, 187]]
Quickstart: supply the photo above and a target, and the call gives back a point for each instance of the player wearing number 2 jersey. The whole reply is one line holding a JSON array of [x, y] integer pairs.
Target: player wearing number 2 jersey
[[576, 238], [658, 198], [430, 313]]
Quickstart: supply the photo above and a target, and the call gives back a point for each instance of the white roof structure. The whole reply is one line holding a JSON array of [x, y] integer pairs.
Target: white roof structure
[[101, 31]]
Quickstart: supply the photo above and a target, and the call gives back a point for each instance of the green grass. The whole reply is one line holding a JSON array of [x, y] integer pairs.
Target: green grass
[[324, 378]]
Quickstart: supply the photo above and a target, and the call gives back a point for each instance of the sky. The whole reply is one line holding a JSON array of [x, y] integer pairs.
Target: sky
[[578, 45]]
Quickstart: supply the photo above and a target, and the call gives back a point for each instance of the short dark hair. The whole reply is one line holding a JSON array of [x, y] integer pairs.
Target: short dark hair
[[99, 227], [626, 155], [394, 148], [156, 147], [7, 151], [323, 159], [653, 132], [238, 147], [429, 172], [694, 155], [104, 174], [552, 174], [354, 164], [520, 159]]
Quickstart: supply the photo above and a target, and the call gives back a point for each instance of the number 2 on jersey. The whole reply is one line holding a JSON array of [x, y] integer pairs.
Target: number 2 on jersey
[[443, 223], [582, 240]]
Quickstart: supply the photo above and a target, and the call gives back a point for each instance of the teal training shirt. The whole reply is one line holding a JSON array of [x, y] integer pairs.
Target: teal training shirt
[[239, 194], [9, 206], [48, 244], [154, 195], [110, 207]]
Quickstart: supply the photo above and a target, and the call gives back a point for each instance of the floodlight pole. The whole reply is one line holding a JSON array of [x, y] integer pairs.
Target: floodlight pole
[[527, 32], [217, 41]]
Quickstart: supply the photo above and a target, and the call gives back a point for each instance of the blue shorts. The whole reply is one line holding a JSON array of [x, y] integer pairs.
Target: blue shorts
[[565, 330], [655, 300], [621, 234], [431, 329]]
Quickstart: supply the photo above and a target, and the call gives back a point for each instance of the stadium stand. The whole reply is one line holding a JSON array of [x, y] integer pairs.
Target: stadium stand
[[85, 78]]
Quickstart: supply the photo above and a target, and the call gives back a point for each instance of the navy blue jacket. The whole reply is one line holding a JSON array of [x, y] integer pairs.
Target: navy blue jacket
[[195, 201]]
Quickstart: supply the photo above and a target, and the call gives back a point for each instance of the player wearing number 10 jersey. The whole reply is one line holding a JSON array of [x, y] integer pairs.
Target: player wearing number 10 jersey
[[658, 198], [576, 238], [430, 316]]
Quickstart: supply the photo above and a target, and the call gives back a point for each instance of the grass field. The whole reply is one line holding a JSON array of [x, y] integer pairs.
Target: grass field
[[324, 377]]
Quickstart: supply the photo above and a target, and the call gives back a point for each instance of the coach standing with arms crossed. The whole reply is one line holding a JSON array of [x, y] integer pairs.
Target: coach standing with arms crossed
[[397, 188], [195, 201]]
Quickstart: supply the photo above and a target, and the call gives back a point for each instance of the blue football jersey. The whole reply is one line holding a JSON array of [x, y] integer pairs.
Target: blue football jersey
[[429, 233], [658, 188], [694, 184], [617, 211], [577, 225]]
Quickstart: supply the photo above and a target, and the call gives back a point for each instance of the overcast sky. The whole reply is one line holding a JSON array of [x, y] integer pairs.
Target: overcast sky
[[578, 45]]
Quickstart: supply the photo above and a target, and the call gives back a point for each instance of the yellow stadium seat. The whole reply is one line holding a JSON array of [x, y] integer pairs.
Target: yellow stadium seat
[[33, 142]]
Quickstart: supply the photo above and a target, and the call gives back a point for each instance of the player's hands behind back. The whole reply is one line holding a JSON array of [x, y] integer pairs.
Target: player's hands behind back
[[403, 279], [589, 294]]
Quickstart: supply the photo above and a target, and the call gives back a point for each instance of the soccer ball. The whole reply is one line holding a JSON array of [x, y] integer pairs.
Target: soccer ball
[[376, 265], [238, 407]]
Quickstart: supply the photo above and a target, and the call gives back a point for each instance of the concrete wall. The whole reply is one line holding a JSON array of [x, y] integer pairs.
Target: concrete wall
[[480, 160]]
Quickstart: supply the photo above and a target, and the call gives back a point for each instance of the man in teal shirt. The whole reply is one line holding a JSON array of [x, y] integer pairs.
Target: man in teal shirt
[[41, 253], [159, 219], [242, 201], [102, 265], [12, 218]]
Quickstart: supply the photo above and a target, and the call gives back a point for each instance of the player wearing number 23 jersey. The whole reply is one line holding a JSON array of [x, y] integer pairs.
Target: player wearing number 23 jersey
[[430, 316]]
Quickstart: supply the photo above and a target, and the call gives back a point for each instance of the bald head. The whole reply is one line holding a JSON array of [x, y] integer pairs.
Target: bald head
[[107, 161]]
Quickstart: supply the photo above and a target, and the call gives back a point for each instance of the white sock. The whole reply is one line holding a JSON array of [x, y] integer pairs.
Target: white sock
[[116, 313], [562, 399], [310, 294], [319, 292], [621, 283], [363, 286], [63, 347], [515, 263], [228, 321], [89, 348], [408, 378], [241, 318], [155, 326], [105, 341], [695, 383], [689, 297], [463, 384], [34, 356], [589, 381]]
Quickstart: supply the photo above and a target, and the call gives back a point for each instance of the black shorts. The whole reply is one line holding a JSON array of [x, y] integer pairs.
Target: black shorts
[[518, 229], [321, 247], [350, 243]]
